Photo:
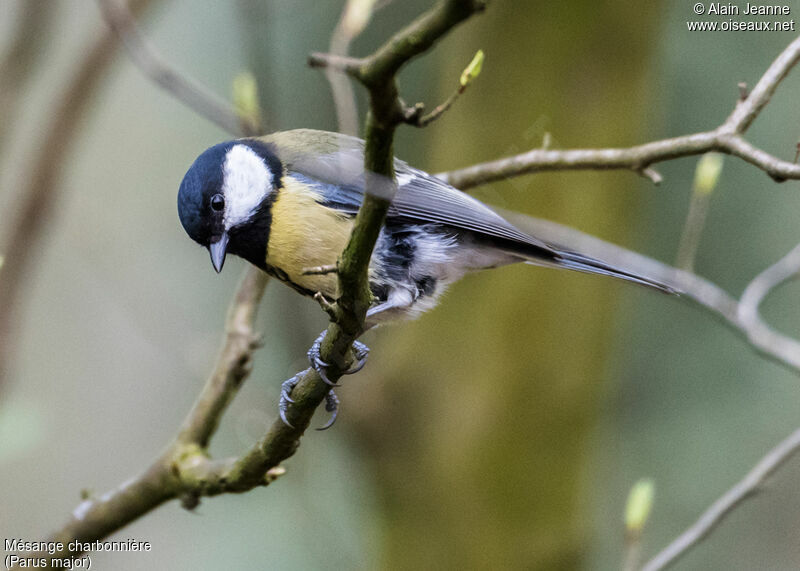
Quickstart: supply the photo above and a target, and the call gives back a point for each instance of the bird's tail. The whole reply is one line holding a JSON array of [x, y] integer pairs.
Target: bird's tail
[[589, 265]]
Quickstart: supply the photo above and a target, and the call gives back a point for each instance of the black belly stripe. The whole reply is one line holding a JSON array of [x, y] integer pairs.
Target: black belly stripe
[[279, 274]]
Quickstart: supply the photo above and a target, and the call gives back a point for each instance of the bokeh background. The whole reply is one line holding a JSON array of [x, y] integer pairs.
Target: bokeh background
[[502, 430]]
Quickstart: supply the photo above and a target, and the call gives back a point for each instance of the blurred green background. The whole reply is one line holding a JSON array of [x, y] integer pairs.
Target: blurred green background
[[502, 430]]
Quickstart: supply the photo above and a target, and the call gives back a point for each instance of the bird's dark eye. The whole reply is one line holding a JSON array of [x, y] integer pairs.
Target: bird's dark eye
[[217, 202]]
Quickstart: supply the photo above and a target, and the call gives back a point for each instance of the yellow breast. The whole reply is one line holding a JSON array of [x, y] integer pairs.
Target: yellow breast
[[305, 234]]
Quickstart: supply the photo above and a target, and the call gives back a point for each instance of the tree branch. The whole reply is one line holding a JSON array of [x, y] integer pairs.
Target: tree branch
[[727, 138], [742, 316], [191, 93], [735, 314], [355, 16], [377, 73], [418, 119], [39, 196], [185, 469], [781, 271], [20, 58], [732, 499], [233, 364]]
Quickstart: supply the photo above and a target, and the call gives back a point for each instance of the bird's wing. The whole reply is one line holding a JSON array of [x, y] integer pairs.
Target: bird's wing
[[336, 167], [334, 164]]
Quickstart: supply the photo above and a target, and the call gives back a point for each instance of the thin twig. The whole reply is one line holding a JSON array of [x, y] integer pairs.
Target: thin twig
[[732, 499], [326, 305], [184, 469], [780, 348], [743, 91], [39, 197], [350, 25], [755, 292], [233, 364], [377, 73], [416, 115], [727, 138], [741, 316], [692, 231], [18, 63], [424, 120], [19, 60], [758, 332], [706, 177], [194, 95], [344, 64], [637, 159], [632, 554]]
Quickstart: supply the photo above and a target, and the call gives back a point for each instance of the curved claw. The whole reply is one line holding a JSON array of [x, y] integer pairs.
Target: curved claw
[[321, 367], [285, 390], [316, 361], [356, 368], [361, 352], [283, 404], [282, 414], [332, 406]]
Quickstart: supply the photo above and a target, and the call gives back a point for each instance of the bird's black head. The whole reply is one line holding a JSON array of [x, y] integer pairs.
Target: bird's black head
[[225, 198]]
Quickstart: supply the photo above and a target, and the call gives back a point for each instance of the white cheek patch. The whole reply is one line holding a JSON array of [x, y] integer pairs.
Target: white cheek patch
[[247, 181]]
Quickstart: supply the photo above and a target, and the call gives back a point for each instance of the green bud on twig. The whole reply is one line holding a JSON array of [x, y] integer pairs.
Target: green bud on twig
[[473, 70], [245, 98], [706, 176], [640, 502]]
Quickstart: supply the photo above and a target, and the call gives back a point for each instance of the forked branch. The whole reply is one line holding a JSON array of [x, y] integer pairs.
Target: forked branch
[[727, 138]]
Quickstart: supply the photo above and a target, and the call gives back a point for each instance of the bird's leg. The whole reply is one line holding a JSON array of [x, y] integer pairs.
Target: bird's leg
[[397, 302], [401, 298], [360, 352], [331, 402]]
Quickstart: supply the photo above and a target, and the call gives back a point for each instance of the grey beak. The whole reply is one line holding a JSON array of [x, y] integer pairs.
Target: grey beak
[[217, 250]]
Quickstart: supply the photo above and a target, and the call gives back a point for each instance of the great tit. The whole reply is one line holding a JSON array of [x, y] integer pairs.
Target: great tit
[[286, 202]]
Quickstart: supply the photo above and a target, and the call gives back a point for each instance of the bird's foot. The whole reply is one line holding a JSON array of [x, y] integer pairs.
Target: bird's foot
[[331, 402], [286, 399], [360, 352]]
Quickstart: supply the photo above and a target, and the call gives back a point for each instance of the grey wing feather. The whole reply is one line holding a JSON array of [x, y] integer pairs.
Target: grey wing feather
[[337, 162], [426, 197]]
